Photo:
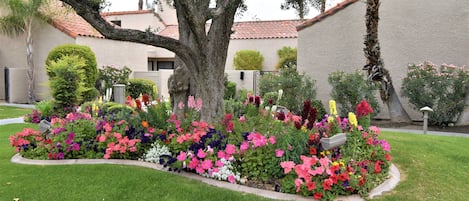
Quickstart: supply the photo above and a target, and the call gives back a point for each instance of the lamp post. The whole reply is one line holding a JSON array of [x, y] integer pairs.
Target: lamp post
[[425, 111]]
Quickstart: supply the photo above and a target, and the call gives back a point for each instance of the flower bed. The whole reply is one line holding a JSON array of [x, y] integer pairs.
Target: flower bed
[[262, 148]]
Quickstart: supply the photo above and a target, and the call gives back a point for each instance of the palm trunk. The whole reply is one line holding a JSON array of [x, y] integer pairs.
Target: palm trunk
[[30, 61], [375, 65]]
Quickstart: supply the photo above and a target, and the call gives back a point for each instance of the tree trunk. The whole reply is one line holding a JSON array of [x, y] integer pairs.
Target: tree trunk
[[140, 4], [323, 6], [375, 65], [30, 61]]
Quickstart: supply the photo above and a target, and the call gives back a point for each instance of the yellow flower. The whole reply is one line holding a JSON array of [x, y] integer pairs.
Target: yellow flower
[[342, 164], [335, 163], [303, 128], [352, 119], [94, 108], [332, 107], [100, 101], [330, 119]]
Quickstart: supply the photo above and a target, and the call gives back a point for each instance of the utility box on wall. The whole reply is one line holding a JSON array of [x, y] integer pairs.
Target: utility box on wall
[[16, 85]]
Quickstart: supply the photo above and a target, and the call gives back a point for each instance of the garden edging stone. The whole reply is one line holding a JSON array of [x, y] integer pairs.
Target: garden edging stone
[[388, 185]]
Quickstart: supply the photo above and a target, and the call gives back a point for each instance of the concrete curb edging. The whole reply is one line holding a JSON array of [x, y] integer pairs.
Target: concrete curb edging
[[388, 185]]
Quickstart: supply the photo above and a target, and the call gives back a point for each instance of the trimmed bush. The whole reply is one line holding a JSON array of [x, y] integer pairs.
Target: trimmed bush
[[349, 89], [89, 69], [248, 60], [287, 57], [139, 86], [443, 88], [65, 82]]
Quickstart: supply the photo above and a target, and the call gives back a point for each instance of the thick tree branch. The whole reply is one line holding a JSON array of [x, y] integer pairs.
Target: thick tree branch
[[85, 9]]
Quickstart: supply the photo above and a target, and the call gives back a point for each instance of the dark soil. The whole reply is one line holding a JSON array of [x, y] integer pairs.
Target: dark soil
[[419, 126]]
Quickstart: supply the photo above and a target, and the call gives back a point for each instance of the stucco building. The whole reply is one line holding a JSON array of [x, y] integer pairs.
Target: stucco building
[[409, 32]]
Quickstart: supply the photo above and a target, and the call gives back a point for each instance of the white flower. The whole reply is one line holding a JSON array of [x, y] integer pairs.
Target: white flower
[[156, 151]]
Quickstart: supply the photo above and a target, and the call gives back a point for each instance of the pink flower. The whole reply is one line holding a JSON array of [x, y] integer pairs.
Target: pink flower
[[369, 141], [117, 135], [133, 149], [279, 152], [324, 161], [287, 166], [199, 169], [107, 156], [221, 154], [76, 147], [207, 164], [365, 134], [298, 183], [194, 163], [232, 179], [230, 149], [182, 156], [272, 140], [290, 147], [244, 146], [242, 119], [375, 130], [201, 153], [198, 105], [181, 105], [218, 163], [385, 145], [191, 102]]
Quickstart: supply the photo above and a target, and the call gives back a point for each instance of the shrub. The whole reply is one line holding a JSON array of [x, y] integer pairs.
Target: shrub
[[109, 76], [46, 107], [139, 86], [442, 88], [65, 82], [287, 57], [230, 90], [291, 82], [89, 69], [349, 89], [248, 60]]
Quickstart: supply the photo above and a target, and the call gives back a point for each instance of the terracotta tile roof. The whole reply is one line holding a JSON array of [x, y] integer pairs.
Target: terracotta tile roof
[[74, 25], [328, 13], [135, 12], [252, 30]]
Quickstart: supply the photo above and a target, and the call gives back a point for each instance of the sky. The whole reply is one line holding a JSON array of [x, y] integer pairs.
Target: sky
[[257, 9]]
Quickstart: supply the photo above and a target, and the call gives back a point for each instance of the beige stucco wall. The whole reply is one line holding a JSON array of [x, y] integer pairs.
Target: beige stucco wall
[[117, 53], [409, 32], [13, 54], [139, 21], [267, 47]]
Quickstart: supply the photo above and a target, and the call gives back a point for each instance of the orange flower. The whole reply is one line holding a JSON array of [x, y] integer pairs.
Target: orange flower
[[145, 124]]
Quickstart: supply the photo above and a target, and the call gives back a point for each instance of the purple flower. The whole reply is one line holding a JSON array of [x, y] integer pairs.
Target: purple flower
[[60, 155]]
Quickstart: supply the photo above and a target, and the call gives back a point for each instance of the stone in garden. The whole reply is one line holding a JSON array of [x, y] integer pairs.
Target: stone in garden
[[44, 127]]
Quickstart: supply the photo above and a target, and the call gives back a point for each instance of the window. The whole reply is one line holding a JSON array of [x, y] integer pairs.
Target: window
[[116, 22], [157, 64]]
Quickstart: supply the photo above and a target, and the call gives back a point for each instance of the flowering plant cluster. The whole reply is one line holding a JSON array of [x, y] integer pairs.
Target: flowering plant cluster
[[263, 147]]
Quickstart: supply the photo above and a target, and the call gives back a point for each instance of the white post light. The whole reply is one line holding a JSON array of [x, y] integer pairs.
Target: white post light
[[425, 111]]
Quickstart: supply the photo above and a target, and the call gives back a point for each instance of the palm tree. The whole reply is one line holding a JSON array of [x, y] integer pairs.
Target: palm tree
[[22, 17], [375, 65], [302, 6]]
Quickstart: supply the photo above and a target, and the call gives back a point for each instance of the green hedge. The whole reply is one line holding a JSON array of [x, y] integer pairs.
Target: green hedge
[[139, 86], [248, 60]]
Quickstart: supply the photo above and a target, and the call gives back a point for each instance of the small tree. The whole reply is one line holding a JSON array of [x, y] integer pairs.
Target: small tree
[[248, 60], [287, 57]]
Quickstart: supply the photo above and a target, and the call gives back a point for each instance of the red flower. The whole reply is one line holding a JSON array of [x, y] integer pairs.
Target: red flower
[[388, 157], [317, 196], [312, 151], [146, 99], [363, 109], [378, 166], [327, 184], [311, 185], [362, 181], [344, 176]]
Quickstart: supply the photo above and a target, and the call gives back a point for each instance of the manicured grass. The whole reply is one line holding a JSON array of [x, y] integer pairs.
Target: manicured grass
[[12, 112], [97, 182], [432, 167]]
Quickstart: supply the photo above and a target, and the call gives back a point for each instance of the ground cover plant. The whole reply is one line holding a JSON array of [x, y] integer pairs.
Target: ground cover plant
[[262, 147], [12, 112]]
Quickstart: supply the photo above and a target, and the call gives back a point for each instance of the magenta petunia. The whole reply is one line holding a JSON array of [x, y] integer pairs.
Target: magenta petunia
[[207, 164], [232, 179], [182, 156], [279, 152], [230, 149], [201, 153], [244, 146]]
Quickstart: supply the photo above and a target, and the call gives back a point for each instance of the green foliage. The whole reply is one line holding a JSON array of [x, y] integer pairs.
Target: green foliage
[[139, 86], [320, 108], [348, 89], [230, 90], [287, 57], [443, 88], [46, 107], [65, 82], [248, 60], [109, 76], [291, 82], [89, 69]]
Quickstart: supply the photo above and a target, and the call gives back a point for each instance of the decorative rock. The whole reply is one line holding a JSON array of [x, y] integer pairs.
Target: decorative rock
[[44, 126], [333, 142]]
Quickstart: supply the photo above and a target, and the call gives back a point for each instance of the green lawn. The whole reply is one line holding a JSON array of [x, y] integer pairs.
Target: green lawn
[[432, 168], [12, 112]]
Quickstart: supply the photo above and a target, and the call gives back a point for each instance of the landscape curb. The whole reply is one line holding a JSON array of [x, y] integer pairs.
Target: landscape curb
[[386, 186]]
